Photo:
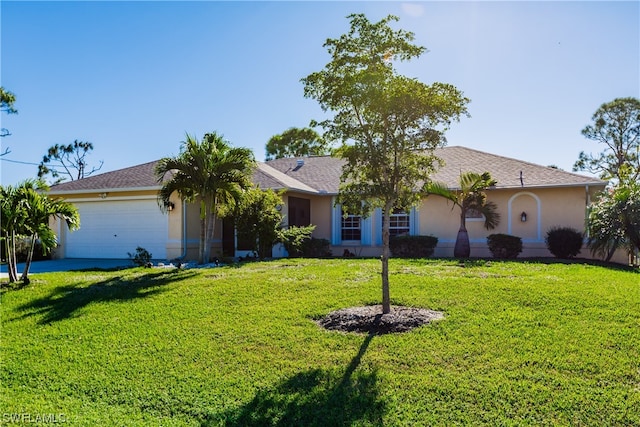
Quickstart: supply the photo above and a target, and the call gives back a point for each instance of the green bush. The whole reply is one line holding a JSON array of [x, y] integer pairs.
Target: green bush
[[294, 238], [142, 257], [564, 242], [316, 248], [412, 246], [22, 250], [504, 245]]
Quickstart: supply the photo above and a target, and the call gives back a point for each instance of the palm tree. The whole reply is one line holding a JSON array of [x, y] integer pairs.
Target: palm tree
[[210, 172], [26, 212], [39, 209], [11, 216], [470, 196]]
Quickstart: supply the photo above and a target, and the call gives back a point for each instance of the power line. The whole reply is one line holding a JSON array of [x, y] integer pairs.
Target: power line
[[18, 161]]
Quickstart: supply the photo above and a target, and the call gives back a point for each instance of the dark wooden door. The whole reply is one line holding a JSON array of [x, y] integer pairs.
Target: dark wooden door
[[299, 211]]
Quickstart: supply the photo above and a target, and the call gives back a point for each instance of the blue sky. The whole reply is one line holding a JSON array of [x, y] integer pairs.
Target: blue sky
[[134, 77]]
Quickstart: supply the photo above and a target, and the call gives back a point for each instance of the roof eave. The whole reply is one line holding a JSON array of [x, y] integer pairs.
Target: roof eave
[[580, 184], [105, 190]]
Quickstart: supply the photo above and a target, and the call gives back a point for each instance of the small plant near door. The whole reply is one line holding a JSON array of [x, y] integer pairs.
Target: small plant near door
[[142, 257]]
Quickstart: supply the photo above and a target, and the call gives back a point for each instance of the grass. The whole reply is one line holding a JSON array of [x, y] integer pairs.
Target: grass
[[523, 343]]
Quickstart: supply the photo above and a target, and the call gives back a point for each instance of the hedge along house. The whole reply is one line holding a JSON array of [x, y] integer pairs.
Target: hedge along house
[[119, 210]]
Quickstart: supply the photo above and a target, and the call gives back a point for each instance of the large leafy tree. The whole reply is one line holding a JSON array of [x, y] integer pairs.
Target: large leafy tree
[[26, 212], [615, 125], [211, 173], [258, 220], [389, 124], [614, 219], [470, 196], [67, 161], [296, 142]]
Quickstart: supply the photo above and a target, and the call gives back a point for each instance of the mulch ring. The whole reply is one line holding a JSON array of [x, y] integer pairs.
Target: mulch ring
[[370, 320]]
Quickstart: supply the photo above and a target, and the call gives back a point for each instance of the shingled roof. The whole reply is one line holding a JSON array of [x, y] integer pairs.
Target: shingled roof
[[506, 171], [321, 174], [132, 178]]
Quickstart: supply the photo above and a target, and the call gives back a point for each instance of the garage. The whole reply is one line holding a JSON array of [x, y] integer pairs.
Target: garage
[[112, 228]]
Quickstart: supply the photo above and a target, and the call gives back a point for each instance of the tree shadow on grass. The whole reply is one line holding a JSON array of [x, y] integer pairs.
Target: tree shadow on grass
[[316, 397], [65, 301]]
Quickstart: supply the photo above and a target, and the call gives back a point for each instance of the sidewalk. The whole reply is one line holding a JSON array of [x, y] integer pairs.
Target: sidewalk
[[68, 265]]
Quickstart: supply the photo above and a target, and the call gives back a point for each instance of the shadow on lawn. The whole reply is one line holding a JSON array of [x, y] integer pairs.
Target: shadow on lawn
[[64, 301], [314, 398]]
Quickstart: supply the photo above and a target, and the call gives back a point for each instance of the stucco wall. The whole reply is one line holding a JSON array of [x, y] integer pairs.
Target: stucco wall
[[320, 213], [544, 208]]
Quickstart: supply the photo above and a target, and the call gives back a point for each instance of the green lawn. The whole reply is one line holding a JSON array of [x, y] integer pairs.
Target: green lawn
[[521, 344]]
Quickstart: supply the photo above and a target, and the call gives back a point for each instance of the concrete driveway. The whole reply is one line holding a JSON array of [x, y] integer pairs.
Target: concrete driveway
[[69, 265]]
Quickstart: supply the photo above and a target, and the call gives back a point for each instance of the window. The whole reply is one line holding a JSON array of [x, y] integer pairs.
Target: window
[[351, 227], [473, 214], [399, 223]]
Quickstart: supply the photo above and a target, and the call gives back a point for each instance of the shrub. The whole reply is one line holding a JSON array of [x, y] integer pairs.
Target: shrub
[[23, 245], [412, 246], [504, 245], [315, 248], [563, 242], [141, 257], [294, 237]]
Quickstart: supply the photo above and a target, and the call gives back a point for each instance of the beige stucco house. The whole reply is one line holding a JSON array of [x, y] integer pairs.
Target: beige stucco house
[[119, 210]]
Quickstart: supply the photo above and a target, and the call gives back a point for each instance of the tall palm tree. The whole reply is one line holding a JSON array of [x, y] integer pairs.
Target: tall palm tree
[[210, 172], [470, 196]]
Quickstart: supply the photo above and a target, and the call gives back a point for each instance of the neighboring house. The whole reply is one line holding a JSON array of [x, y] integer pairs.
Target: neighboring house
[[119, 210]]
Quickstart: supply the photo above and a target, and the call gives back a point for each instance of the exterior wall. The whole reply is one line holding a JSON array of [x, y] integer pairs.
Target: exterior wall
[[545, 208], [191, 231], [176, 229]]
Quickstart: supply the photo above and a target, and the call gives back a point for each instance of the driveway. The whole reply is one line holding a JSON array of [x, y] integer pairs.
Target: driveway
[[69, 264]]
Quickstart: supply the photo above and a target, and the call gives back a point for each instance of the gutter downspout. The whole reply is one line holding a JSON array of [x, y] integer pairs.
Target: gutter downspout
[[587, 201], [184, 230]]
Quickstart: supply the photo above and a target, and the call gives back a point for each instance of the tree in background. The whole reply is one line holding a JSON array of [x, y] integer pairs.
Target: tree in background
[[68, 161], [389, 124], [25, 212], [471, 196], [296, 142], [210, 172], [7, 100], [616, 124]]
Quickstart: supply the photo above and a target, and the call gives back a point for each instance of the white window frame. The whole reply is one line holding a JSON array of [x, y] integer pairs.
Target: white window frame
[[350, 218], [395, 218]]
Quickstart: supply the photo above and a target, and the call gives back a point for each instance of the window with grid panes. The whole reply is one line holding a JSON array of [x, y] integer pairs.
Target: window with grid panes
[[399, 223], [351, 227]]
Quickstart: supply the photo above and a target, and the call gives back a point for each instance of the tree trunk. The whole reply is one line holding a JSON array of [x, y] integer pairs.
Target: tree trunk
[[27, 264], [386, 298], [203, 232], [12, 268], [462, 248], [208, 229]]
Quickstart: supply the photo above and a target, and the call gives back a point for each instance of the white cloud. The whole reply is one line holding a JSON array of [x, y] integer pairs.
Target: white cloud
[[414, 10]]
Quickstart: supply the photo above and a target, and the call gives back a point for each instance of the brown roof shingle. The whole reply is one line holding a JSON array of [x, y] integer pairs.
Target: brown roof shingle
[[134, 177]]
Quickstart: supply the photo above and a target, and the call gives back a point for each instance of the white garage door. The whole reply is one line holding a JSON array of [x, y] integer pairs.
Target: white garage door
[[110, 229]]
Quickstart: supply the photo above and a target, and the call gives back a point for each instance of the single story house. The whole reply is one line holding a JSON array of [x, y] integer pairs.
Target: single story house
[[119, 210]]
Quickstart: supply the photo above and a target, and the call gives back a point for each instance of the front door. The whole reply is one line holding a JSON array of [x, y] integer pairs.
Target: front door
[[299, 212]]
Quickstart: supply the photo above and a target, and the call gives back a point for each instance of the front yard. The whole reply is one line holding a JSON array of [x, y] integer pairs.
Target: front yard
[[521, 344]]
